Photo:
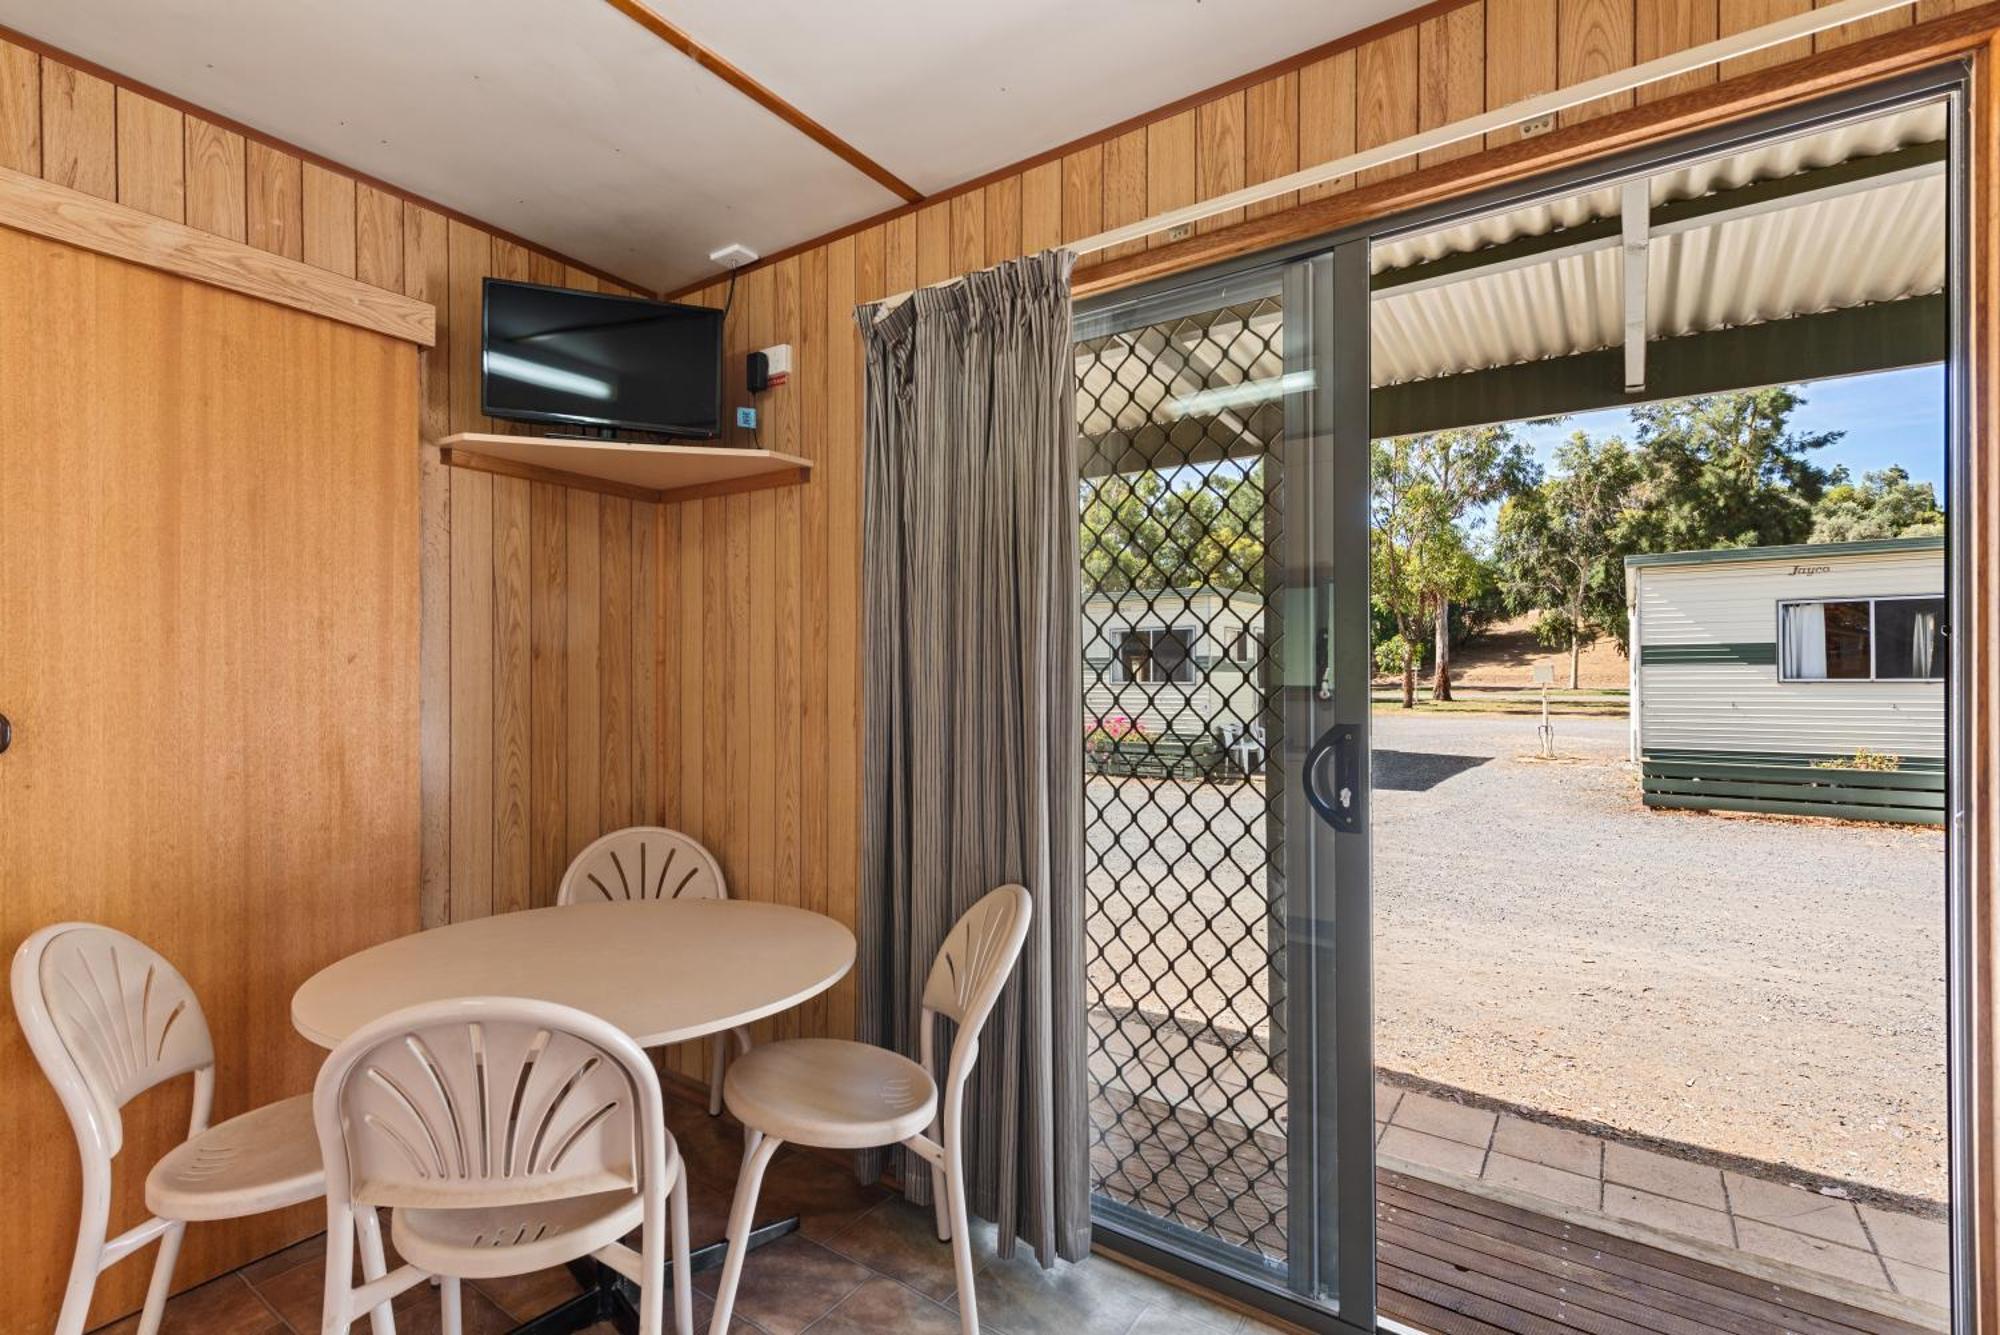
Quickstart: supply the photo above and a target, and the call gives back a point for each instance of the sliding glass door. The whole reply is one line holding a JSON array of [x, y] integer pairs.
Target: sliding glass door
[[1223, 496]]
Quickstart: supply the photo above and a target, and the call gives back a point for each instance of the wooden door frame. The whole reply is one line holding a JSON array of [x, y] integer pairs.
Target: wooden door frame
[[1970, 40]]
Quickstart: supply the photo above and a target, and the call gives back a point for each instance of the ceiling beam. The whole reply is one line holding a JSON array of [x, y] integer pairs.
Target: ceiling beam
[[765, 98]]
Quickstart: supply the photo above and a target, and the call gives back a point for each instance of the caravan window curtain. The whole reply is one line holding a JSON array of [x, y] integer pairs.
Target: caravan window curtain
[[1802, 643]]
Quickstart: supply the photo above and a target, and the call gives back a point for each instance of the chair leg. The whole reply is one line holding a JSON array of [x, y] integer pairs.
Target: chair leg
[[451, 1309], [374, 1265], [756, 1158], [162, 1282], [341, 1227], [92, 1222], [677, 1202], [961, 1254], [940, 1202], [718, 1067]]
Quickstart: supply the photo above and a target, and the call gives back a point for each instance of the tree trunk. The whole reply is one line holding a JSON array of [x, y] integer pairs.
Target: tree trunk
[[1575, 657], [1441, 683], [1409, 681]]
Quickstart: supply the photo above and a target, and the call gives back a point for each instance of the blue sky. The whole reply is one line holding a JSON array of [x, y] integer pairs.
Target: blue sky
[[1892, 417]]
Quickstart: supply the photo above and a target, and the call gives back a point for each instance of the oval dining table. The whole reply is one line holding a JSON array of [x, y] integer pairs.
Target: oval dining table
[[664, 971]]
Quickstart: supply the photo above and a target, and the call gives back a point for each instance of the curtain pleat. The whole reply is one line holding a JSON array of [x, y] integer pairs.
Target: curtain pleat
[[973, 706]]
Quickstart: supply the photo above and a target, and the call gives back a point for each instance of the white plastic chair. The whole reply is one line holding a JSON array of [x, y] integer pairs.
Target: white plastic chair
[[505, 1136], [838, 1094], [109, 1018], [652, 862]]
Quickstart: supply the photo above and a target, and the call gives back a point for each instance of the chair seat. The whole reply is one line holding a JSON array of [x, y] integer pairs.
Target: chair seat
[[830, 1092], [485, 1242], [264, 1160]]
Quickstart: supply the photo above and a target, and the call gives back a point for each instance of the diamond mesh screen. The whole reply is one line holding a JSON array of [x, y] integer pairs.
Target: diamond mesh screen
[[1179, 425]]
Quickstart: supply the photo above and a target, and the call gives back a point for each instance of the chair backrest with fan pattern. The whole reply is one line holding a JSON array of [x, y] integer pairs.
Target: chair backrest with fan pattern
[[642, 862], [977, 956], [487, 1101], [108, 1018]]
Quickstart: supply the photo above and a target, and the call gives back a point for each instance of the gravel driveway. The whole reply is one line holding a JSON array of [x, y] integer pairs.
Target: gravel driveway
[[1773, 989]]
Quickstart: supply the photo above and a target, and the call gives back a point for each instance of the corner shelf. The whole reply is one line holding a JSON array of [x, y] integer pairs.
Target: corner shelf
[[666, 473]]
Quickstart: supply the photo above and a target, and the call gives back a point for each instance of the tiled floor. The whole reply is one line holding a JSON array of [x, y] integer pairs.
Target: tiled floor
[[862, 1263]]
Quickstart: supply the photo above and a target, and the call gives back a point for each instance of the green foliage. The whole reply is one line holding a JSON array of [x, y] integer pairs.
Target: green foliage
[[1207, 530], [1883, 505], [1561, 546]]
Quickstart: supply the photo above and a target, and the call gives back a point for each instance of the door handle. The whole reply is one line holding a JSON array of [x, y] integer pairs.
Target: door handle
[[1343, 810], [6, 732]]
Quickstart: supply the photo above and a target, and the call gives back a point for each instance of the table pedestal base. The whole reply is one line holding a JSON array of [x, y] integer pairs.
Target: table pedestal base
[[609, 1297]]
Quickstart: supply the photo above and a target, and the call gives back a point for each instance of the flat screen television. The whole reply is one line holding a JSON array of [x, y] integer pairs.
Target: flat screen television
[[553, 354]]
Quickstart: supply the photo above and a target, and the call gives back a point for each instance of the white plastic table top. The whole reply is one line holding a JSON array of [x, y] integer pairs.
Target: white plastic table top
[[661, 970]]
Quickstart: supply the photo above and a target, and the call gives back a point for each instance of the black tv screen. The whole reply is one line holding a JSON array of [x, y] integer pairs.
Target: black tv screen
[[552, 354]]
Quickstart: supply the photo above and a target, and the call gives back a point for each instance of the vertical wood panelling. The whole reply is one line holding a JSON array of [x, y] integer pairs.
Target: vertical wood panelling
[[1041, 207], [968, 233], [274, 201], [1271, 137], [152, 156], [1083, 193], [1887, 21], [1003, 220], [471, 694], [1662, 27], [378, 237], [1219, 154], [1451, 76], [1125, 187], [1734, 16], [328, 205], [1326, 119], [20, 109], [1520, 55], [582, 611], [79, 130], [1385, 98], [1170, 170], [512, 701], [216, 173], [427, 276], [614, 663], [1594, 38], [548, 668]]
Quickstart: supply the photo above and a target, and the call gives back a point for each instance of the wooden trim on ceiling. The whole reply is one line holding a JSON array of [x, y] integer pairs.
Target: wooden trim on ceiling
[[1898, 52], [1361, 37], [181, 104], [30, 204], [765, 98]]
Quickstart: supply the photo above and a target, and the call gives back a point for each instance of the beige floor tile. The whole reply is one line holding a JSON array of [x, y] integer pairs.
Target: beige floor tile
[[1922, 1242], [1441, 1117], [1781, 1244], [1571, 1151], [1825, 1217], [1426, 1151], [1664, 1175], [1921, 1283], [1552, 1184], [1668, 1215], [1386, 1098]]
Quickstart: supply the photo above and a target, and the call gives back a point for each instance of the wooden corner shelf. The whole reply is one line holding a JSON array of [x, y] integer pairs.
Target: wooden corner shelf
[[665, 473]]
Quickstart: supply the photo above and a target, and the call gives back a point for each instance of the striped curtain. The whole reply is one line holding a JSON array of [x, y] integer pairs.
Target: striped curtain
[[972, 748]]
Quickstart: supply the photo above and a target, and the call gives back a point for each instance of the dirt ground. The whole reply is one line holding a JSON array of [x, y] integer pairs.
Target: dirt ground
[[1772, 989], [1506, 653]]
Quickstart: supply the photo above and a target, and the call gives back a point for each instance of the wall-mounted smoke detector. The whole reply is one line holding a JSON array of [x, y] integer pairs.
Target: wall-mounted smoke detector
[[732, 257]]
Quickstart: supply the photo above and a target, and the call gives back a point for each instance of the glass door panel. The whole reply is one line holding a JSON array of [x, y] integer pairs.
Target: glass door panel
[[1209, 562]]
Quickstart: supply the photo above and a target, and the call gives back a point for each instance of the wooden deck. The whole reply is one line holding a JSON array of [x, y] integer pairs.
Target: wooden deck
[[1458, 1264], [1450, 1262]]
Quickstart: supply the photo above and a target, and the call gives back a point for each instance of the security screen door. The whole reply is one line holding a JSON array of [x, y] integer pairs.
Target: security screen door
[[1224, 556]]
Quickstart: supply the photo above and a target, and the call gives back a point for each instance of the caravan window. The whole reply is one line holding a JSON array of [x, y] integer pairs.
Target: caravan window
[[1157, 655], [1861, 639]]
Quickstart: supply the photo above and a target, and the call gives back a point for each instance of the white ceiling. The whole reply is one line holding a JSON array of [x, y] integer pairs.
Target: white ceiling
[[570, 125]]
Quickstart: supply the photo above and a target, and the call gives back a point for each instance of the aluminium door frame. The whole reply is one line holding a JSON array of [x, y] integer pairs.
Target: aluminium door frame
[[1949, 81]]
